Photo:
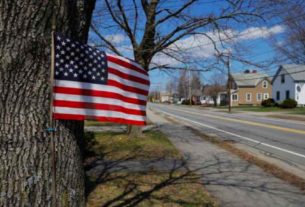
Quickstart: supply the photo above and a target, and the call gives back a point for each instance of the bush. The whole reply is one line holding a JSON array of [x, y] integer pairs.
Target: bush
[[268, 102], [289, 104], [187, 102]]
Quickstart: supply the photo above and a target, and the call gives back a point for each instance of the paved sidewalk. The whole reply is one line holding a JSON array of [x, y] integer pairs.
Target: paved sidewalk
[[234, 182]]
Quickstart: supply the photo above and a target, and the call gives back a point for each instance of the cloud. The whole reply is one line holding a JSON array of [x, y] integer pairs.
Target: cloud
[[116, 38], [260, 32], [201, 47]]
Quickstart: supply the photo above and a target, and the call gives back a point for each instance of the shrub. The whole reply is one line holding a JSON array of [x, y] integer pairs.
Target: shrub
[[268, 102], [289, 104], [187, 102]]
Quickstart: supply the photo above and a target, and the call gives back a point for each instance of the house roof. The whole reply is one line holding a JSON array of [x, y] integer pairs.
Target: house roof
[[248, 79], [297, 72]]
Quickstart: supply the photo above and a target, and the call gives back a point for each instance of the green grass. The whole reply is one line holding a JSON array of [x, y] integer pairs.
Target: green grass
[[96, 123], [117, 145]]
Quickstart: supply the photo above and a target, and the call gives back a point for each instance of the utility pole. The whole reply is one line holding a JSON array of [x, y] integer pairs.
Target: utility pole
[[190, 87], [229, 81], [228, 66]]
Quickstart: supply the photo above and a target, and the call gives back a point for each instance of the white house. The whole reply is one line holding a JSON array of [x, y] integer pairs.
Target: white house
[[289, 82]]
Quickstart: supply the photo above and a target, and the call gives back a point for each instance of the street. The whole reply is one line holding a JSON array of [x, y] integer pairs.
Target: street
[[277, 138]]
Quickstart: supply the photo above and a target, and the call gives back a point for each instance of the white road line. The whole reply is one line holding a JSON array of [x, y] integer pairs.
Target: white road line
[[236, 135]]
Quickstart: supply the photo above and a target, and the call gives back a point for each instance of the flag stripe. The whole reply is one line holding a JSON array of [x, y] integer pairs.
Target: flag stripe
[[125, 64], [94, 93], [113, 77], [127, 71], [92, 99], [94, 112], [128, 76], [127, 88], [97, 118], [98, 106], [98, 87]]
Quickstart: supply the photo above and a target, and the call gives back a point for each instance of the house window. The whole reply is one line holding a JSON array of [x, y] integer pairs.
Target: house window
[[283, 78], [299, 89], [248, 97], [278, 95], [265, 84], [266, 96], [234, 97], [287, 94], [258, 96]]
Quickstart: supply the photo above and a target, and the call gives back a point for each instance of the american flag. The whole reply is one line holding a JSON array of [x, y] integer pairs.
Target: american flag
[[93, 85]]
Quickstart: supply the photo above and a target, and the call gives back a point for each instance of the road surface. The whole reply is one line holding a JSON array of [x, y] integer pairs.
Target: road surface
[[278, 138]]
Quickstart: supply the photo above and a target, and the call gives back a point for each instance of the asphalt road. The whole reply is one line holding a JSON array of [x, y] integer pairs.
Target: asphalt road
[[282, 139]]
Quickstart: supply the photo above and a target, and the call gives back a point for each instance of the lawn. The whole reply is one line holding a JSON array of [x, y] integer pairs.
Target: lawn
[[117, 145], [298, 110], [153, 189], [178, 187]]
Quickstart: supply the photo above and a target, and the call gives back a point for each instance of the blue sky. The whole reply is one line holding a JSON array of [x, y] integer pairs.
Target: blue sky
[[254, 39]]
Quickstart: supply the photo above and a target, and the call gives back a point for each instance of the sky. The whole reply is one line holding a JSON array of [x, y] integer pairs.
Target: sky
[[253, 40]]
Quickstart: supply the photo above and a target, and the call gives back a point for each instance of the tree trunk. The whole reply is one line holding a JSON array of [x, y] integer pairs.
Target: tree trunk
[[25, 164]]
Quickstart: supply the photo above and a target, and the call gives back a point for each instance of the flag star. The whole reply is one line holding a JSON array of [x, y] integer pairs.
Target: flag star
[[57, 56], [93, 77], [75, 74], [62, 52], [89, 72], [57, 64], [81, 63], [77, 58], [72, 62], [99, 65], [94, 61], [63, 43], [66, 74], [77, 49], [70, 70], [85, 67], [58, 47], [90, 56], [103, 55], [90, 64], [82, 55], [94, 53], [103, 62], [98, 58], [66, 65], [67, 57], [82, 47], [86, 51], [68, 48], [80, 71], [58, 38], [68, 40], [72, 53], [94, 69], [98, 74], [86, 59], [102, 78], [75, 66], [90, 49], [56, 72], [72, 45], [84, 76], [103, 71], [61, 69], [61, 60]]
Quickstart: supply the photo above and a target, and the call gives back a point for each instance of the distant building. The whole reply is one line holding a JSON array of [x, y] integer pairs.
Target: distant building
[[250, 88], [289, 82]]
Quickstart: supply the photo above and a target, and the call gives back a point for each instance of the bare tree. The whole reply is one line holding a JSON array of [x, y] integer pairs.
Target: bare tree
[[215, 87], [153, 27], [291, 46], [25, 160], [183, 84]]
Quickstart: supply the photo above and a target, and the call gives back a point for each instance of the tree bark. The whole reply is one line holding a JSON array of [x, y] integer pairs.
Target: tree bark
[[25, 164]]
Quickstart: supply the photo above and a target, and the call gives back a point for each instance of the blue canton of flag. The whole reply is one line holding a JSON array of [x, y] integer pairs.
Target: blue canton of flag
[[75, 61]]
